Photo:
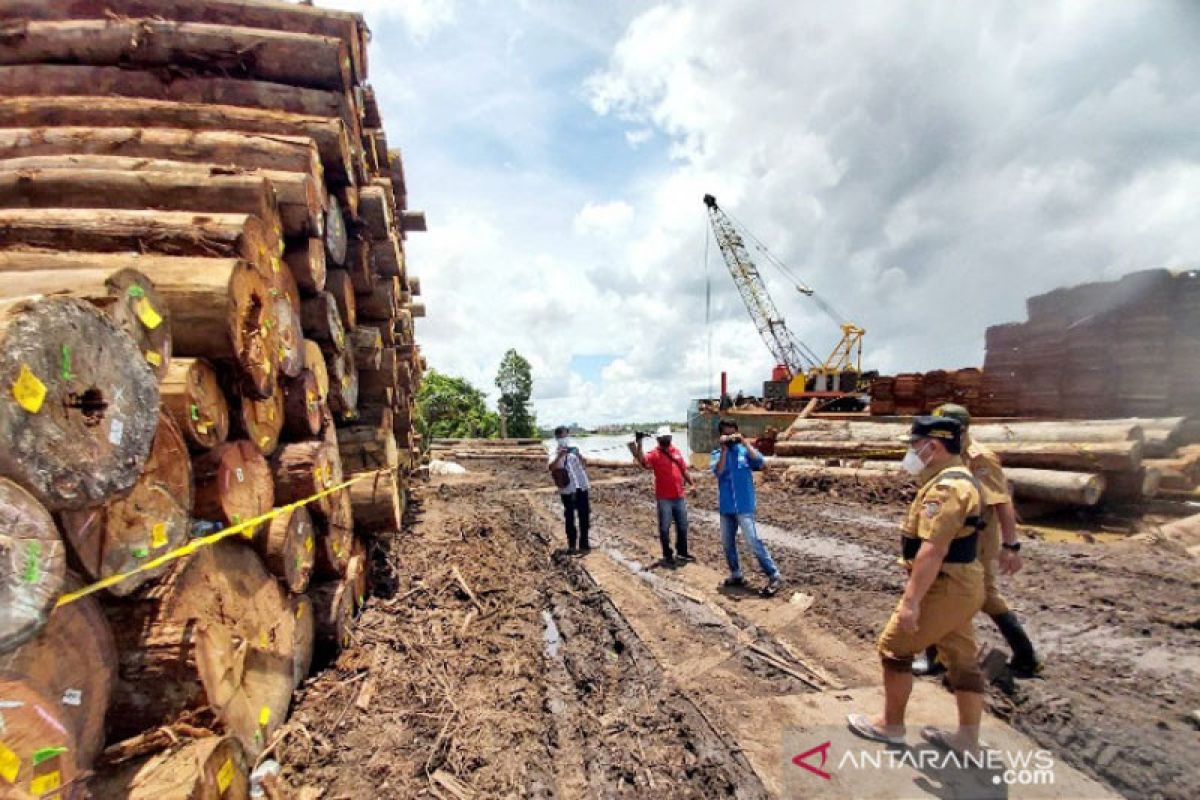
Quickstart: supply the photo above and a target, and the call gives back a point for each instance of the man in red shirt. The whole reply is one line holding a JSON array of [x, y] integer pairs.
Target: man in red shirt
[[670, 477]]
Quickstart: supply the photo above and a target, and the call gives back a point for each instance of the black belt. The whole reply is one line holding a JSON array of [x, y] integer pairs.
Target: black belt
[[963, 550]]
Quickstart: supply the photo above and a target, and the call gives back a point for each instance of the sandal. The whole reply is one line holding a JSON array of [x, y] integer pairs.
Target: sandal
[[860, 725], [945, 740], [733, 583], [772, 588]]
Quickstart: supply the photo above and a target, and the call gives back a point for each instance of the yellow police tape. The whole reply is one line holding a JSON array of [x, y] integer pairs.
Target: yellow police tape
[[247, 526]]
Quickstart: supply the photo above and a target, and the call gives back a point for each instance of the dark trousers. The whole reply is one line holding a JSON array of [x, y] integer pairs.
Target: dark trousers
[[673, 511], [574, 504]]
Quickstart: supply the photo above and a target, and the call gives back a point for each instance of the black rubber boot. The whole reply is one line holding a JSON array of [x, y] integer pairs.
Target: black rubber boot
[[930, 665], [1024, 662]]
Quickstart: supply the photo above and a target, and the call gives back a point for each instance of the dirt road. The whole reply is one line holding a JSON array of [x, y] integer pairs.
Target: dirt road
[[488, 664]]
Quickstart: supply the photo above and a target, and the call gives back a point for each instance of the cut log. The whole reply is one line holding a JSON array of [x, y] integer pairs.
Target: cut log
[[376, 502], [80, 403], [258, 420], [358, 264], [33, 568], [192, 395], [1060, 488], [329, 135], [303, 469], [73, 659], [358, 574], [125, 295], [218, 632], [367, 345], [314, 360], [381, 385], [810, 429], [307, 264], [132, 529], [211, 768], [414, 285], [287, 335], [338, 284], [287, 545], [322, 321], [39, 748], [343, 383], [304, 636], [375, 415], [364, 448], [335, 535], [302, 406], [418, 310], [387, 257], [1103, 456], [333, 613], [233, 483], [375, 206], [336, 237], [1132, 487], [296, 59], [347, 27]]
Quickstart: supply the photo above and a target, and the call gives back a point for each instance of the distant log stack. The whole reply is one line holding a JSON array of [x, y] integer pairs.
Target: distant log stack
[[199, 213]]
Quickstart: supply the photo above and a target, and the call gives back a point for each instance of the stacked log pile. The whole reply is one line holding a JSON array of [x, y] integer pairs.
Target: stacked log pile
[[206, 314], [1080, 464], [913, 393]]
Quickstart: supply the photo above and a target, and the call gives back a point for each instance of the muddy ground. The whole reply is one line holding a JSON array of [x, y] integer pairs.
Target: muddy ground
[[488, 664]]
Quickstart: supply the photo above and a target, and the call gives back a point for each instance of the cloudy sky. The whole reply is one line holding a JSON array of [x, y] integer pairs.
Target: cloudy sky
[[924, 165]]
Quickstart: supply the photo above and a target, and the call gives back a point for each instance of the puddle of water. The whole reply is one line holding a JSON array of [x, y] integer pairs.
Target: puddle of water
[[847, 555], [550, 634]]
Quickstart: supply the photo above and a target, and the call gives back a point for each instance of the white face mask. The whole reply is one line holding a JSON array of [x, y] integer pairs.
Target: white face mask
[[913, 464], [563, 442]]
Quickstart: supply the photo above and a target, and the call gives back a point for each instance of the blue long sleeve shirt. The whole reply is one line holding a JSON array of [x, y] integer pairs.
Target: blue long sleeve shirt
[[735, 483]]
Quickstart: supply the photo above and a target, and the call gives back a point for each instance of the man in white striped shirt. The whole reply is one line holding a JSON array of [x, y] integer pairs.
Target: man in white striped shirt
[[570, 470]]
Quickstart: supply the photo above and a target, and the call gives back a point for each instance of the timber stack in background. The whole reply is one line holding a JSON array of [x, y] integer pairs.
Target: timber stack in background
[[205, 313]]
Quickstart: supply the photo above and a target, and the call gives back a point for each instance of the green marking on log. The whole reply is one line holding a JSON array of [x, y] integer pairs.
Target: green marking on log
[[33, 565]]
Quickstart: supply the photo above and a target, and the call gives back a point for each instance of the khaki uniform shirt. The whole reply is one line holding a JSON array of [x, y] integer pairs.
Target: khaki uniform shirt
[[985, 466], [939, 513]]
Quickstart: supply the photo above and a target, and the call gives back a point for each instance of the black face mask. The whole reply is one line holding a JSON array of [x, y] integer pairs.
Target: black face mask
[[664, 444]]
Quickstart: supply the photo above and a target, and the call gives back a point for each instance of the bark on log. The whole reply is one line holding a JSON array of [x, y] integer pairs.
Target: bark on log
[[127, 296], [358, 264], [330, 135], [211, 768], [304, 636], [335, 535], [358, 574], [314, 360], [347, 27], [33, 733], [192, 395], [808, 429], [302, 407], [233, 483], [1061, 488], [376, 503], [287, 545], [367, 447], [33, 568], [321, 320], [343, 383], [367, 344], [297, 59], [1104, 456], [73, 660], [80, 403], [307, 264], [258, 420], [333, 613], [336, 237], [217, 631], [338, 284], [132, 529], [303, 469]]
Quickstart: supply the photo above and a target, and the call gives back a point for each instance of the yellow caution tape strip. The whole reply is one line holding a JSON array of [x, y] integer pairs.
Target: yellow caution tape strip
[[246, 528]]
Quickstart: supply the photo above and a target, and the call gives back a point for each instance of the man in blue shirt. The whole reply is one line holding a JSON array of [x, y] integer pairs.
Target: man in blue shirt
[[734, 463]]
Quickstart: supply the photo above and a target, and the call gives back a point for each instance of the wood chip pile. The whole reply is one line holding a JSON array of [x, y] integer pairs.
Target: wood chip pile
[[205, 314]]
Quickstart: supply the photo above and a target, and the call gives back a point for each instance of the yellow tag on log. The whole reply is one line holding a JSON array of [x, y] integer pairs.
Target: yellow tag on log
[[158, 535], [264, 442], [45, 783], [264, 717], [28, 390], [154, 357], [275, 263], [10, 764], [146, 313], [299, 611], [225, 776], [264, 642], [308, 543]]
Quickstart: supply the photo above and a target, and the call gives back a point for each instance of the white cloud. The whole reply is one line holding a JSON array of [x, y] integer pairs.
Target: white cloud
[[603, 218], [422, 18]]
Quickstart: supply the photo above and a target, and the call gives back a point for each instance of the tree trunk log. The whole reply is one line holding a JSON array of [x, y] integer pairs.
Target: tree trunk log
[[1132, 487], [132, 529], [375, 205], [80, 403], [288, 334], [338, 284], [216, 632], [314, 360], [1066, 432], [387, 257], [33, 568], [375, 415], [330, 135], [127, 296], [1062, 488], [321, 320], [381, 385], [333, 613], [259, 420], [343, 383], [212, 768], [287, 545], [233, 483], [358, 574], [414, 285], [358, 264], [336, 237], [307, 263], [367, 447], [417, 310], [347, 27], [304, 636], [376, 502], [367, 344], [302, 469], [317, 62], [192, 395], [302, 407], [73, 659], [33, 732], [337, 529], [1103, 456]]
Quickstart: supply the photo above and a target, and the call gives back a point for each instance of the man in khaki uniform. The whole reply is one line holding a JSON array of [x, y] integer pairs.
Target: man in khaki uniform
[[944, 590], [999, 550]]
